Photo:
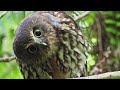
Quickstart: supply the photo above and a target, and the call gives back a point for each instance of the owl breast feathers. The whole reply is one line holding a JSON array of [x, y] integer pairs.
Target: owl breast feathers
[[48, 45]]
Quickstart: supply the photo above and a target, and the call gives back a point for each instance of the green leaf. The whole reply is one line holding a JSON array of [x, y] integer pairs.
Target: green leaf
[[17, 16], [110, 21], [117, 24], [114, 41], [117, 16], [112, 30]]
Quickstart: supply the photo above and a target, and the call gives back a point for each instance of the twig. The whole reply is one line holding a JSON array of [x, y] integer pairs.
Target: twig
[[82, 15], [99, 34], [8, 59], [108, 75], [3, 14], [76, 13]]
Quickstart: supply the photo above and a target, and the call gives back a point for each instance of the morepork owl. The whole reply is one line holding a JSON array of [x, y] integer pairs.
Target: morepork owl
[[50, 45]]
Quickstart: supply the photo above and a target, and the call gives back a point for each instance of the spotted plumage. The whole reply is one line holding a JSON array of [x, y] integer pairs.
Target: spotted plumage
[[50, 45]]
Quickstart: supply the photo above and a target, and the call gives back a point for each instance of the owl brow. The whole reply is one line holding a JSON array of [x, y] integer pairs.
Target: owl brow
[[27, 45], [36, 27]]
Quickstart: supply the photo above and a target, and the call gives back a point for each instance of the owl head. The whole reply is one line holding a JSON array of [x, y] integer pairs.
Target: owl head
[[36, 38]]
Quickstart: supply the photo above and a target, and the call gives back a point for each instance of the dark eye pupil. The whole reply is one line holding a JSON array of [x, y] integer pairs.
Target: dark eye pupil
[[32, 49], [38, 33]]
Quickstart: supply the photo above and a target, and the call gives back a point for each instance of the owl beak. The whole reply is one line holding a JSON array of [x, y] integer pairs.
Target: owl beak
[[43, 44], [39, 43]]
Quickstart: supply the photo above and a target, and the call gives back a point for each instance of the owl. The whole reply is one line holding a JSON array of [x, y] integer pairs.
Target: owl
[[50, 45]]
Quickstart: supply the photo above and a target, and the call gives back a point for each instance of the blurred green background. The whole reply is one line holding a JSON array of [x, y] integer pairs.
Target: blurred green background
[[8, 25], [101, 29]]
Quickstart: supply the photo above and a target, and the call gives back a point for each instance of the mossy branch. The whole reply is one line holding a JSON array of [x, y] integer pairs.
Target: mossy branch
[[82, 15], [108, 75], [7, 59], [3, 14]]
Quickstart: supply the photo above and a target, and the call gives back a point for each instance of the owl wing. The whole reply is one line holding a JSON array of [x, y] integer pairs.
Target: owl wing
[[71, 56]]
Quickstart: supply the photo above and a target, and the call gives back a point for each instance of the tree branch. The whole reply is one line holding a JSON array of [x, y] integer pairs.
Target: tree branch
[[3, 14], [108, 75], [8, 59], [82, 15]]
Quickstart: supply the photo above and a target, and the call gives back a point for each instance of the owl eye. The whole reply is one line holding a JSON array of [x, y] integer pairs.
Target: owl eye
[[32, 49], [38, 33]]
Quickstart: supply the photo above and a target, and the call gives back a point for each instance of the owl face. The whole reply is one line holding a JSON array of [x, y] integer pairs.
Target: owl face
[[35, 40]]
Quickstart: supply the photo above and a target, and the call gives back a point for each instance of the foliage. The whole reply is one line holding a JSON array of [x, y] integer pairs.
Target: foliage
[[8, 25]]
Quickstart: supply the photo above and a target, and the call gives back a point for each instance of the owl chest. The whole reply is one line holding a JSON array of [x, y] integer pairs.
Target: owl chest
[[44, 71]]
